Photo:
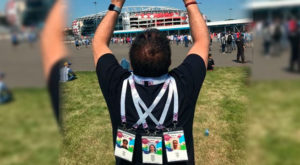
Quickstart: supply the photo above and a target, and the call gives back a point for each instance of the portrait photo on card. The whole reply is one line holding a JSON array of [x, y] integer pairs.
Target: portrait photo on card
[[152, 149], [124, 145], [175, 146]]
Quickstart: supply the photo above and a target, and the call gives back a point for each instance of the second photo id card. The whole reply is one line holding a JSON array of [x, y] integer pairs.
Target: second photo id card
[[124, 145], [152, 149], [175, 146]]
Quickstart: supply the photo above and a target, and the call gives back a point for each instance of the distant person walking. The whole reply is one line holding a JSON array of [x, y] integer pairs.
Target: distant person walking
[[267, 39], [241, 48], [77, 45], [223, 43], [295, 44], [186, 41], [229, 43], [14, 39]]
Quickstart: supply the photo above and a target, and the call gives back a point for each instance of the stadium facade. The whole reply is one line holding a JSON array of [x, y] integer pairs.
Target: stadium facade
[[135, 19]]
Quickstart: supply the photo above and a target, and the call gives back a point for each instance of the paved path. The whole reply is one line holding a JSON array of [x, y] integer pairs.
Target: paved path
[[21, 64], [83, 60], [23, 67]]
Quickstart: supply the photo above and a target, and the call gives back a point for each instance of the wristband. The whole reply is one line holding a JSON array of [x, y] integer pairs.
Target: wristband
[[190, 3], [113, 7]]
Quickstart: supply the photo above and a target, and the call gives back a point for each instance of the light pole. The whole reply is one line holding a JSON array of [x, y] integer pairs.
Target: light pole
[[95, 21], [230, 13]]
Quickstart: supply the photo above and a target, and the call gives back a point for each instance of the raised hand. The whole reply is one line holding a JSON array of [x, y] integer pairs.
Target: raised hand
[[118, 3]]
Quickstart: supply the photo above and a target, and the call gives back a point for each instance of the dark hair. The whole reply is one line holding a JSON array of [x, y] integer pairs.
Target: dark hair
[[150, 54], [209, 55], [153, 146]]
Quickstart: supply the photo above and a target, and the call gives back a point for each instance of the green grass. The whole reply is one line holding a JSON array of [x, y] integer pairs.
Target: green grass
[[28, 131], [274, 125], [250, 123], [221, 108], [87, 128]]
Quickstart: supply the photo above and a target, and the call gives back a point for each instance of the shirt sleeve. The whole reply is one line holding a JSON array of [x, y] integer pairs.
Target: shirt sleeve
[[54, 89], [110, 74], [191, 73]]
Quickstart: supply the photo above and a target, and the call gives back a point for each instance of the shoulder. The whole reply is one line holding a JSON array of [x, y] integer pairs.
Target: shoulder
[[193, 66], [106, 59], [109, 72]]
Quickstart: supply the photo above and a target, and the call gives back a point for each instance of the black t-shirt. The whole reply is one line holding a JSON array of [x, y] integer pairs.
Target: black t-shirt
[[54, 88], [229, 39], [189, 77], [211, 62], [240, 44]]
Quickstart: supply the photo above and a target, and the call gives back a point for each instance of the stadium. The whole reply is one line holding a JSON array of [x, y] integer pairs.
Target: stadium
[[134, 19]]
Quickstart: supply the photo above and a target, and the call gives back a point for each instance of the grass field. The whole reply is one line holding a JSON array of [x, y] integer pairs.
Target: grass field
[[220, 108], [250, 123], [274, 127], [28, 131]]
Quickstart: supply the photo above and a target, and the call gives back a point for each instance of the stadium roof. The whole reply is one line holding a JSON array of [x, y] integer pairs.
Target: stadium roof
[[135, 9], [185, 27], [268, 4], [148, 8]]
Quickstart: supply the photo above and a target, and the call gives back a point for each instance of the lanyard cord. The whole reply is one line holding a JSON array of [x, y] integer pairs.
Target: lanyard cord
[[148, 81], [123, 96], [138, 101], [176, 101]]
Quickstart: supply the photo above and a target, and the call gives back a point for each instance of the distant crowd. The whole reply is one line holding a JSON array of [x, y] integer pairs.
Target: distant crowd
[[82, 42], [278, 35]]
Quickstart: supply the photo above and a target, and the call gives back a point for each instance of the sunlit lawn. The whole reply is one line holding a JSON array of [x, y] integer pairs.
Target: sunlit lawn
[[220, 108], [28, 132], [249, 123], [274, 123]]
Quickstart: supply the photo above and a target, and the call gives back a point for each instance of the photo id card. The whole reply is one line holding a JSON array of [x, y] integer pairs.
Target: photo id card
[[124, 145], [152, 149], [175, 146]]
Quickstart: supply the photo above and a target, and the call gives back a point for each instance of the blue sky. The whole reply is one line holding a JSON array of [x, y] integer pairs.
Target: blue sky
[[214, 9]]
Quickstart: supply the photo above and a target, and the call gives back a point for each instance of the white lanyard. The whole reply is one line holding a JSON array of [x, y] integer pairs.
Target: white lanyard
[[138, 101], [170, 81], [150, 80], [176, 101], [123, 96]]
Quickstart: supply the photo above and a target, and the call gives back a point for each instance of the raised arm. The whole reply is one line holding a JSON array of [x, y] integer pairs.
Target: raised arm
[[52, 45], [53, 52], [199, 31], [104, 32]]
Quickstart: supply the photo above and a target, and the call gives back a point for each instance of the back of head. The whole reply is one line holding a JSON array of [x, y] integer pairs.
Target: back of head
[[150, 54]]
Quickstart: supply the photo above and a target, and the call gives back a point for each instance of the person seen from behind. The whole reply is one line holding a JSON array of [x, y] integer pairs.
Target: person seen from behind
[[223, 43], [150, 58], [241, 49], [229, 42], [211, 63]]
